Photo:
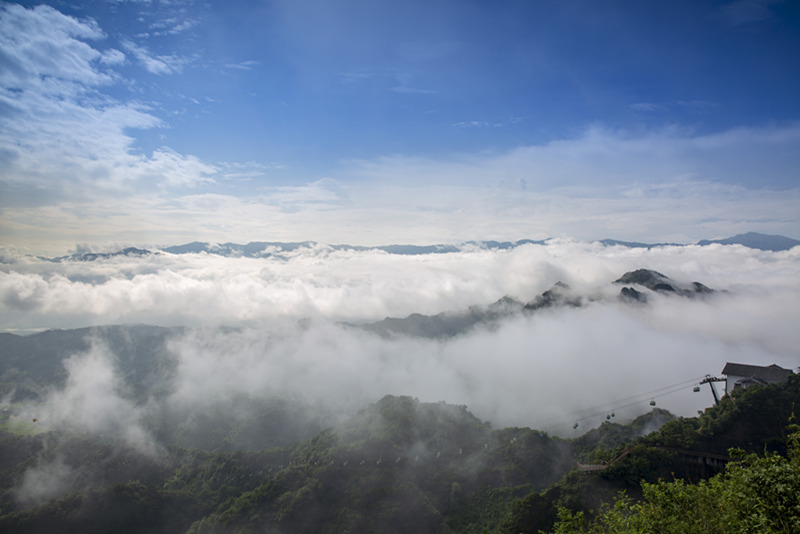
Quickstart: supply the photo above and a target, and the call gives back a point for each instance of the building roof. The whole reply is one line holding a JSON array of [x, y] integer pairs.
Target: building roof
[[771, 373]]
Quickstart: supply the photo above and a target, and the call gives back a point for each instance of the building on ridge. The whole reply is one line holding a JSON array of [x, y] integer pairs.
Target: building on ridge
[[745, 375]]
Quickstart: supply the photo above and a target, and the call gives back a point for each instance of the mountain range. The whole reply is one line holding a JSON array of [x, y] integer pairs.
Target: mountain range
[[635, 287], [261, 249], [399, 465]]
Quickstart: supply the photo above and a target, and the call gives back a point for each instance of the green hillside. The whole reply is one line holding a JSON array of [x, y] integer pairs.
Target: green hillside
[[399, 465]]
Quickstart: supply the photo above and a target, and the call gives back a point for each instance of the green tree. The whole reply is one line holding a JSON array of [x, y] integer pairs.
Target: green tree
[[758, 493]]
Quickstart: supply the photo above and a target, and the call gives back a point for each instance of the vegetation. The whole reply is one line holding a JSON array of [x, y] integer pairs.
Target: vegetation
[[663, 464], [755, 494]]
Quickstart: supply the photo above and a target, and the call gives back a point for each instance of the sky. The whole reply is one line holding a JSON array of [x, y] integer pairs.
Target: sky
[[156, 123]]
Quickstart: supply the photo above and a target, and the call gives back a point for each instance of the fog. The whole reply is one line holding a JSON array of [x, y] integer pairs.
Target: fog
[[542, 371], [291, 330], [94, 400]]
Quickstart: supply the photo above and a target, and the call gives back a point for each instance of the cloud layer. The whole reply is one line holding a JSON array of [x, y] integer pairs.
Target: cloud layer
[[541, 370], [347, 285]]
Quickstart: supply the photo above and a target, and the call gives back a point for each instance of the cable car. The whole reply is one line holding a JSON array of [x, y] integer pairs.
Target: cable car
[[696, 389], [574, 426], [652, 402], [608, 417]]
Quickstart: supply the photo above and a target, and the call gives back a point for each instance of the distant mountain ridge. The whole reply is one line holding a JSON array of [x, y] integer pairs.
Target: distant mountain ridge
[[560, 295], [757, 241], [265, 249]]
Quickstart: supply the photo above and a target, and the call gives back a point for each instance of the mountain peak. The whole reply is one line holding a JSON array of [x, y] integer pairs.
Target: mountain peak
[[655, 281], [756, 240]]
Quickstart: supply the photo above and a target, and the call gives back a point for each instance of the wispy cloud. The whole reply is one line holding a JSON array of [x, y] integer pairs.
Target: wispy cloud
[[244, 65], [485, 124], [112, 57], [173, 26], [155, 64], [400, 81], [598, 155], [412, 90], [471, 124]]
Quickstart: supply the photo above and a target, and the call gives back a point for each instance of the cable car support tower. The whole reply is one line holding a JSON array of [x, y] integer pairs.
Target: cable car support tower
[[708, 379]]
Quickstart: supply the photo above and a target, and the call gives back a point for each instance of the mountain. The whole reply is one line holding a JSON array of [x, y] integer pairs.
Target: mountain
[[636, 244], [93, 256], [262, 249], [254, 249], [449, 324], [399, 465], [688, 450], [755, 240], [445, 324], [658, 283], [258, 249], [31, 365], [558, 295]]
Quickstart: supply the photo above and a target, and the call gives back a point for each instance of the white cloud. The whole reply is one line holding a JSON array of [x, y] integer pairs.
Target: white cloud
[[174, 169], [173, 26], [544, 371], [93, 400], [511, 374], [366, 214], [346, 285], [471, 124], [113, 57], [60, 137], [753, 157], [44, 51], [155, 64], [244, 65]]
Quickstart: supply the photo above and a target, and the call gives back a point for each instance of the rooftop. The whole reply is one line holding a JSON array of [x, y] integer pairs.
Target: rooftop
[[771, 373]]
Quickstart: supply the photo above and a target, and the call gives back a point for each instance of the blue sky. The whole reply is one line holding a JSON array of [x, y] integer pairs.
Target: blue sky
[[147, 122]]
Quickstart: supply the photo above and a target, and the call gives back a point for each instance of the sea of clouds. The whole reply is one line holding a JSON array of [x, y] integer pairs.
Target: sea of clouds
[[292, 329]]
